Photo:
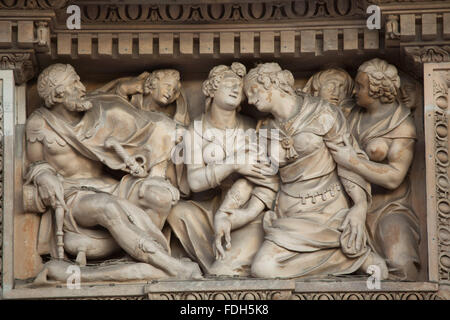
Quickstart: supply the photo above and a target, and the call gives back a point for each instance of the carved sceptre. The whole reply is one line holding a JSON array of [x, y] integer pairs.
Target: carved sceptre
[[136, 168], [59, 217]]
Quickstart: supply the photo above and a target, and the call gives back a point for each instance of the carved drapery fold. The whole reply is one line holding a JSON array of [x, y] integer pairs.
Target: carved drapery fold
[[24, 70]]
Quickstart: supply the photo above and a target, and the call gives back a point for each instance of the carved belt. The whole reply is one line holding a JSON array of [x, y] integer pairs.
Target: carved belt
[[324, 195]]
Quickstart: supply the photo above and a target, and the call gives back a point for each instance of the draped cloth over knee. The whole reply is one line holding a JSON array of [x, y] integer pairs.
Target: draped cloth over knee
[[76, 189], [303, 232], [111, 116], [193, 225]]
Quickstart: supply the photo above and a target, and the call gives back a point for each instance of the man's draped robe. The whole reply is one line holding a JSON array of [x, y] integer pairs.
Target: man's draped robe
[[110, 116]]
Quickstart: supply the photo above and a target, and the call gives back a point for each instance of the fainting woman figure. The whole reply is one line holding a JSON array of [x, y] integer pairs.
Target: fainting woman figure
[[314, 230], [228, 196], [385, 130]]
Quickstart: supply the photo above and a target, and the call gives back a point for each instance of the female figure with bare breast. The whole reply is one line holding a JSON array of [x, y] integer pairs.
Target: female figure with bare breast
[[228, 196], [385, 130]]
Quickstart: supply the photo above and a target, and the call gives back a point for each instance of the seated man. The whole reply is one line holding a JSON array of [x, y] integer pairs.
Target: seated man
[[71, 142]]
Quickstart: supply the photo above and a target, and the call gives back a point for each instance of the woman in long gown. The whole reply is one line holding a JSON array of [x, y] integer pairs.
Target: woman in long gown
[[211, 141], [314, 230]]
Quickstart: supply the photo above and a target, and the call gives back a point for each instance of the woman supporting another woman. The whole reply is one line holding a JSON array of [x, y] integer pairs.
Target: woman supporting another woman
[[325, 220], [314, 229], [228, 196], [385, 129]]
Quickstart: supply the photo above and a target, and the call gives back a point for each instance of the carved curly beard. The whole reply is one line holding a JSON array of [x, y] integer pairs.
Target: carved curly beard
[[77, 104]]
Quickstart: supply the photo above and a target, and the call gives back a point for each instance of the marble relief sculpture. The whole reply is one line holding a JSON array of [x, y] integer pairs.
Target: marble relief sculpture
[[70, 142], [315, 229], [335, 86], [159, 90], [319, 188], [228, 197], [410, 92], [385, 130]]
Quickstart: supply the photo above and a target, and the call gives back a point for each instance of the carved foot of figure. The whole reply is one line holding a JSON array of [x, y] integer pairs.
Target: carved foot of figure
[[81, 258], [57, 271], [179, 268], [191, 270], [406, 269], [375, 260], [219, 268]]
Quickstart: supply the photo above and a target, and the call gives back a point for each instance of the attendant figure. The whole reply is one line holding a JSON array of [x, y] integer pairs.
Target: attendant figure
[[385, 130], [159, 91], [335, 86]]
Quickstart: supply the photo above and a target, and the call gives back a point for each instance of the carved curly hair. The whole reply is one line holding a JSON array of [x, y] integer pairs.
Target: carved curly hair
[[271, 75], [216, 75], [384, 81], [153, 78], [50, 82]]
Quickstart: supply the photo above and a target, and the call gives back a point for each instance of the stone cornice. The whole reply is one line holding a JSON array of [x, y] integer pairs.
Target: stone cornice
[[32, 4], [136, 28]]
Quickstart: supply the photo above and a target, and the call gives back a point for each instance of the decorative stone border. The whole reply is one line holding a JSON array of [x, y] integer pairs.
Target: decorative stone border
[[437, 80]]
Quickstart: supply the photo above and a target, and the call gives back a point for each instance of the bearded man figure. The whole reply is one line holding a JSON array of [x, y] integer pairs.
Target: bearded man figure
[[70, 143]]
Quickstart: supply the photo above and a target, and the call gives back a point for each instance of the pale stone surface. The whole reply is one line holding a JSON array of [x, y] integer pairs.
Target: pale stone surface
[[243, 211], [417, 27], [131, 211]]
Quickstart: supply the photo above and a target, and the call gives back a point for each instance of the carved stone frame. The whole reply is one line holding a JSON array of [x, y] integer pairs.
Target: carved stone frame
[[436, 121], [436, 77]]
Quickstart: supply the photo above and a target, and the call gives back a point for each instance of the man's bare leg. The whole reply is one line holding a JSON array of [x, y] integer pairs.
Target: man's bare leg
[[105, 210]]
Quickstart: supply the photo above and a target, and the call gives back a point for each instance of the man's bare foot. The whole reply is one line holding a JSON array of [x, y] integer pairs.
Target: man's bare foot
[[376, 260], [180, 268], [191, 270]]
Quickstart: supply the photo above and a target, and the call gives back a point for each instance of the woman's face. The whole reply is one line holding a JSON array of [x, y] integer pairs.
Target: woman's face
[[229, 94], [259, 96], [333, 89], [409, 93], [361, 90]]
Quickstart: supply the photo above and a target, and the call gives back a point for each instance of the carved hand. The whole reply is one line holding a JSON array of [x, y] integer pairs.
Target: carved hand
[[257, 170], [345, 155], [222, 229], [355, 224], [50, 190]]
